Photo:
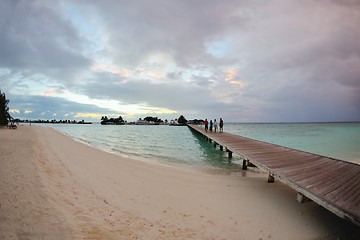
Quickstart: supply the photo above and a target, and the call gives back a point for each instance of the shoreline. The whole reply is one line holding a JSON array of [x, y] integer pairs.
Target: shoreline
[[346, 151], [76, 191]]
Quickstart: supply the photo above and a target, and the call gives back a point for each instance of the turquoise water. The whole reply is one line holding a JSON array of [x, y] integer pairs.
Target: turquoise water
[[175, 144], [181, 145], [336, 140]]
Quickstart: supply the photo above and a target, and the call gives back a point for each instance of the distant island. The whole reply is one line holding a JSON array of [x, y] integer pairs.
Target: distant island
[[181, 121], [54, 121], [112, 121]]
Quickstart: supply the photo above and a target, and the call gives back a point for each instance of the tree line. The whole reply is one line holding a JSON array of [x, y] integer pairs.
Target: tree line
[[5, 117], [149, 119]]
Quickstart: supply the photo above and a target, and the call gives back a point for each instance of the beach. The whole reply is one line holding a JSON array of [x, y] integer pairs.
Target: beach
[[53, 187]]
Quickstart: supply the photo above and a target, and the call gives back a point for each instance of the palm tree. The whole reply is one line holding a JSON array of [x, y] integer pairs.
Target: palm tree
[[182, 120], [4, 110]]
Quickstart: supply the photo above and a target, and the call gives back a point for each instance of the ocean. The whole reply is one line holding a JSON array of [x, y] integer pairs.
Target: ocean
[[178, 144]]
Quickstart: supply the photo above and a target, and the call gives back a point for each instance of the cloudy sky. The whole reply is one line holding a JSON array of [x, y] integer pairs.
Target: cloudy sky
[[243, 60]]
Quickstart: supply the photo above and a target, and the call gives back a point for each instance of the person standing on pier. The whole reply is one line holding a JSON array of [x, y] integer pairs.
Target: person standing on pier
[[215, 125], [211, 125], [206, 125], [221, 125]]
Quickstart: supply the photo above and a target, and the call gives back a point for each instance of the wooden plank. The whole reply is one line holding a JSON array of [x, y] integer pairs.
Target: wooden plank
[[353, 199], [354, 206], [285, 156], [321, 183], [259, 153], [290, 161], [344, 191], [345, 174], [348, 203], [317, 161], [300, 174], [316, 174]]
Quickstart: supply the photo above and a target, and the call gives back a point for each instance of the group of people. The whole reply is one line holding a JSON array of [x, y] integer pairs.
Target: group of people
[[209, 125]]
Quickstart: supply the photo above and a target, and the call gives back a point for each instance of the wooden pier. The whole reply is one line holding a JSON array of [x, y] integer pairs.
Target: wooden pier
[[331, 183]]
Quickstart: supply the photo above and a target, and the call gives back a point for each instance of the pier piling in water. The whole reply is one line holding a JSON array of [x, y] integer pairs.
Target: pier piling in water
[[244, 165]]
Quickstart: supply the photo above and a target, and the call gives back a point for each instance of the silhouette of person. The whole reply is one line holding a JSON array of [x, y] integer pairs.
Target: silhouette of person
[[215, 125], [221, 125], [211, 125], [206, 125]]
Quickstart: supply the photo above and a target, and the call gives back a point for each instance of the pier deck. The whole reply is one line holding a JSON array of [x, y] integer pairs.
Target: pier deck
[[331, 183]]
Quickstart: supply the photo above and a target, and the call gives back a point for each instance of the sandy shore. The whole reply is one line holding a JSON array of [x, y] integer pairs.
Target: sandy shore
[[52, 187]]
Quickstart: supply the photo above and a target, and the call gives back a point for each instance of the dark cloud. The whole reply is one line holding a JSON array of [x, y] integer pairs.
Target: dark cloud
[[37, 38], [180, 28]]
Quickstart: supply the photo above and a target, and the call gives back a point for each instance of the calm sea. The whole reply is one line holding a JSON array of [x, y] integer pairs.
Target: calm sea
[[180, 145]]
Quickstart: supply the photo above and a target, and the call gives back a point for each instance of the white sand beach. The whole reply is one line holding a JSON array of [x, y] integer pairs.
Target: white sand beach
[[52, 187]]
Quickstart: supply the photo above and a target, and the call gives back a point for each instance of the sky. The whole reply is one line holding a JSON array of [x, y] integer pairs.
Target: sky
[[242, 60]]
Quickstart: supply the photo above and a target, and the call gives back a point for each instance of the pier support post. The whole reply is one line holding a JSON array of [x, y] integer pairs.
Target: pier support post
[[221, 148], [229, 154], [301, 198], [244, 164], [215, 143], [271, 178]]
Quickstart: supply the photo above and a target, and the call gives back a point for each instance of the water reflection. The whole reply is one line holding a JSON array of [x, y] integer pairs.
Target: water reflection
[[214, 156]]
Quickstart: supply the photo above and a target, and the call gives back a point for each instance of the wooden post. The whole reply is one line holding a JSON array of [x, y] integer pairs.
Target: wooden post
[[271, 178], [215, 143], [229, 154], [301, 198], [244, 165], [221, 148]]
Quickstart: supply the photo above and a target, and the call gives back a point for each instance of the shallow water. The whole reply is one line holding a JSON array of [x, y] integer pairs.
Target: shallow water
[[149, 143], [180, 145]]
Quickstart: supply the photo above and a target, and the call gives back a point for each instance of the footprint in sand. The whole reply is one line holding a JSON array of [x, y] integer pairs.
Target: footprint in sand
[[82, 217]]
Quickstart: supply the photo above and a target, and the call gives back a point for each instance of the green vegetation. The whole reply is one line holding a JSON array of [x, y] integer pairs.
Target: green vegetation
[[182, 120], [112, 121], [196, 121], [4, 110], [153, 119], [149, 120]]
